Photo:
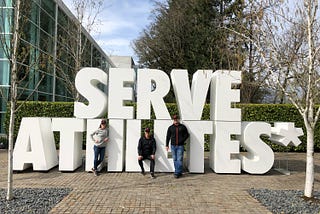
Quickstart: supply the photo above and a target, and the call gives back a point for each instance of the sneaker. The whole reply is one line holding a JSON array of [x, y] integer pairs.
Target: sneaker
[[95, 173], [142, 172], [153, 176], [177, 175]]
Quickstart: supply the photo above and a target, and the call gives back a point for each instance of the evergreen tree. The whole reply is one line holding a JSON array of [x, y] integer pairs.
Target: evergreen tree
[[189, 35]]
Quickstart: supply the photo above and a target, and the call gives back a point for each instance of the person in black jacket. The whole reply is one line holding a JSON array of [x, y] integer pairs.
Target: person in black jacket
[[177, 133], [146, 150]]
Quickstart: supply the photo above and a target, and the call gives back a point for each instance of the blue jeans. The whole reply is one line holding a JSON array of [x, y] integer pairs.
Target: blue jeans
[[177, 156], [99, 153]]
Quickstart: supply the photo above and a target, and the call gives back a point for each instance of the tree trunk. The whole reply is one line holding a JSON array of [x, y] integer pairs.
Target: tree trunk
[[308, 189], [10, 152], [13, 95], [14, 89]]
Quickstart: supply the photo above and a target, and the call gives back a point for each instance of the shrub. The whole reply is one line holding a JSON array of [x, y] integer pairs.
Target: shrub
[[250, 112], [3, 142]]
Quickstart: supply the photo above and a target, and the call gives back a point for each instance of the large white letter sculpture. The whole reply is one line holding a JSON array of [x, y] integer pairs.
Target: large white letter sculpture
[[285, 134], [227, 122], [191, 102], [195, 150], [259, 157], [147, 95], [120, 90], [71, 132], [163, 162], [115, 146], [133, 135], [35, 145], [86, 82]]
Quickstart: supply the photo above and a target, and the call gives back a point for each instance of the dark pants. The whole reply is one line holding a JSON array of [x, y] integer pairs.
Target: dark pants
[[99, 153], [152, 163]]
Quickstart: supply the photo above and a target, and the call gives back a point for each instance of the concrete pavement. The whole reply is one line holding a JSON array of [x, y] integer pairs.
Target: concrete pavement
[[193, 193]]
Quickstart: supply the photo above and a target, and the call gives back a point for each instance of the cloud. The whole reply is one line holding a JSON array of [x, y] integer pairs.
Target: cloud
[[114, 42], [121, 22], [116, 46], [125, 16], [114, 27]]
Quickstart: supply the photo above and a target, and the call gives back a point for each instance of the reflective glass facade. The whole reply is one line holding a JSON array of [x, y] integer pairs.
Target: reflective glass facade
[[45, 42]]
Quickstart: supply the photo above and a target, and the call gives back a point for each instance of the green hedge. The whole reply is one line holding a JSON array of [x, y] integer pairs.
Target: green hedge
[[250, 112], [39, 109], [278, 113]]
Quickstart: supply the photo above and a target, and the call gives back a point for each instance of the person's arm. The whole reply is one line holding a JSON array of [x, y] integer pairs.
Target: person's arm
[[106, 135], [140, 147], [154, 146], [91, 135], [168, 136]]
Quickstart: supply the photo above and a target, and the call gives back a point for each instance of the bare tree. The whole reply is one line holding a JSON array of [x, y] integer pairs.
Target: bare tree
[[13, 19], [294, 56], [24, 57], [77, 43], [253, 87], [13, 90], [290, 53]]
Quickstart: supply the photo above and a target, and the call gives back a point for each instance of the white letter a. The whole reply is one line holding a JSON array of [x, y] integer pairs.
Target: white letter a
[[35, 145]]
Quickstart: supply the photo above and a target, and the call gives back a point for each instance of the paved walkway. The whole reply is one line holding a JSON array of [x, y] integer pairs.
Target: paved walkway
[[134, 193]]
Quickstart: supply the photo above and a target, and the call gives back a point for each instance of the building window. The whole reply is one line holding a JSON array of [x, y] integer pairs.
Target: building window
[[4, 76], [49, 7]]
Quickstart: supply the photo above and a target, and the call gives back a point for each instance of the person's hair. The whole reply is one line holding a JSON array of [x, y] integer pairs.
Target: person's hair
[[102, 122]]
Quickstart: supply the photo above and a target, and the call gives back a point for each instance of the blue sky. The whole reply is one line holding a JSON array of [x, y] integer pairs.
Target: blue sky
[[122, 21]]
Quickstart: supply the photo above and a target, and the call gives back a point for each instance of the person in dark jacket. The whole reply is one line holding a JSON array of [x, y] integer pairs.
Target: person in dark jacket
[[146, 150], [177, 133]]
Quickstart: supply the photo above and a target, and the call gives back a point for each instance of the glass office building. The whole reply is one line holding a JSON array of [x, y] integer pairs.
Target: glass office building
[[45, 48]]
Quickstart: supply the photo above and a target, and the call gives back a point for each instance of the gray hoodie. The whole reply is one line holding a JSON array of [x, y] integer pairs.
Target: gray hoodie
[[100, 135]]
